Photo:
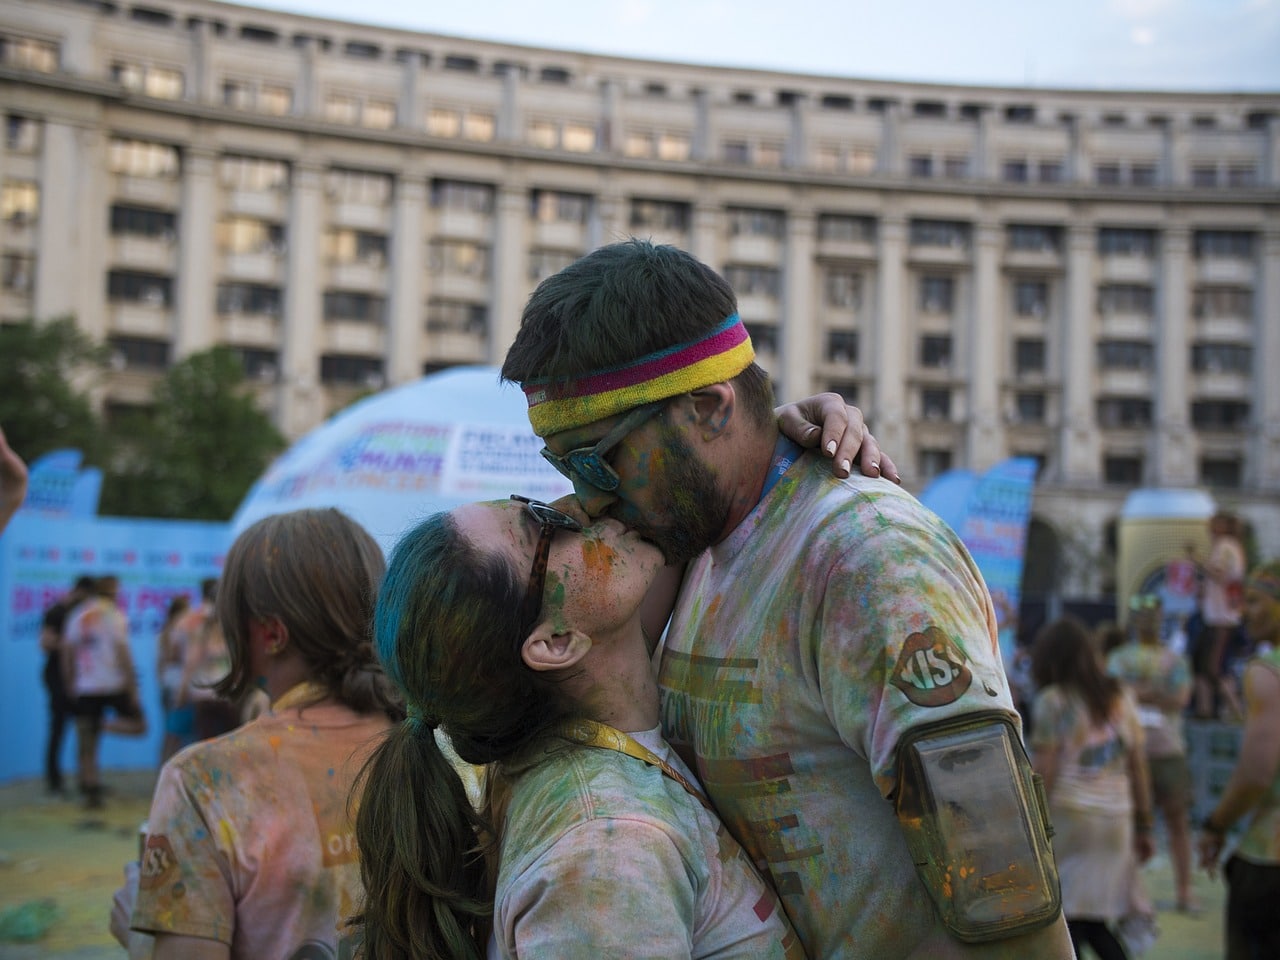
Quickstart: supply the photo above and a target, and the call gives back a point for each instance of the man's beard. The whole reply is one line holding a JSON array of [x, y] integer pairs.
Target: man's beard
[[693, 506]]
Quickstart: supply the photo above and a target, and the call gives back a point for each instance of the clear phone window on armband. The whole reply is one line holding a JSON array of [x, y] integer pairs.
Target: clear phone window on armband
[[976, 822]]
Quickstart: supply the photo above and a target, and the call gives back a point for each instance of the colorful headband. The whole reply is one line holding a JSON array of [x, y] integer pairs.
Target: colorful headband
[[558, 404], [1266, 579]]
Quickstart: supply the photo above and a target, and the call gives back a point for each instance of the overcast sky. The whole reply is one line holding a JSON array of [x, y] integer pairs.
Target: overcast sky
[[1116, 44]]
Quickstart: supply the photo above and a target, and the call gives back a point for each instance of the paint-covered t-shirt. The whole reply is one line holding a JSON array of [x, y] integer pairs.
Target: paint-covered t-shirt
[[837, 616], [97, 634], [249, 841], [1162, 670], [1261, 840], [605, 856], [1093, 758]]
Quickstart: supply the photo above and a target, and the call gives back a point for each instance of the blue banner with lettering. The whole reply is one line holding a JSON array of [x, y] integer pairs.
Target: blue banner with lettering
[[40, 556], [58, 487], [991, 513]]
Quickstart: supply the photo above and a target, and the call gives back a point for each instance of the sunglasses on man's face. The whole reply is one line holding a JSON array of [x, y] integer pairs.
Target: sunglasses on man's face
[[588, 464], [549, 520]]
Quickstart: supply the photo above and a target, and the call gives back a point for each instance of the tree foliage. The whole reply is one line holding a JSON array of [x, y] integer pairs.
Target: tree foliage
[[46, 372], [196, 452]]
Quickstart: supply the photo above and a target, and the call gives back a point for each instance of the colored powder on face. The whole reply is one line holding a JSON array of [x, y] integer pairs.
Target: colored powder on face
[[598, 558]]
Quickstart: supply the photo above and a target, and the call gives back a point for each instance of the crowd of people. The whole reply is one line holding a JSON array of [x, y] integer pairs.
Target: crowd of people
[[726, 700]]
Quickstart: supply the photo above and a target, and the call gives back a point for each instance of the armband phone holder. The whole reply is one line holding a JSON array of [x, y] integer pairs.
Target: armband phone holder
[[976, 821]]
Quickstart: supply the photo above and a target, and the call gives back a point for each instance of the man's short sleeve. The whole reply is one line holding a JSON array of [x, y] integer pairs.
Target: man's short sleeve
[[907, 635], [186, 885]]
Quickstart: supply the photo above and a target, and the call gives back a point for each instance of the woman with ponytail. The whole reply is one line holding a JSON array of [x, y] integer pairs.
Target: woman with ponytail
[[517, 632], [250, 851]]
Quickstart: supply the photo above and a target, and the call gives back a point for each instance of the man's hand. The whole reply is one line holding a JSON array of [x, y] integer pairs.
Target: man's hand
[[1209, 847], [825, 420], [122, 903], [13, 482]]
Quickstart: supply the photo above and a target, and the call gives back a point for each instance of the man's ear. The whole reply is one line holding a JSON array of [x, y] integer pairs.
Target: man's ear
[[713, 408], [545, 650]]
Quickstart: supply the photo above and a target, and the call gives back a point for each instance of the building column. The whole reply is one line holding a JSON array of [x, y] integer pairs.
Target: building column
[[609, 127], [199, 81], [410, 109], [511, 257], [1174, 170], [1077, 153], [305, 102], [982, 147], [985, 439], [193, 327], [888, 407], [608, 219], [1078, 430], [701, 147], [300, 397], [1265, 454], [890, 160], [796, 154], [405, 311], [57, 228], [1175, 449], [798, 314], [705, 237], [510, 124], [1271, 155]]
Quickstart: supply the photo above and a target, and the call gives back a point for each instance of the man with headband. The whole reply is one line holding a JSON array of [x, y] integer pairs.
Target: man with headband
[[1253, 791], [831, 667]]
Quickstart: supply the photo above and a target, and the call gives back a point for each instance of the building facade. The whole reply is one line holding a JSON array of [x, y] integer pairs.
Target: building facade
[[1088, 278]]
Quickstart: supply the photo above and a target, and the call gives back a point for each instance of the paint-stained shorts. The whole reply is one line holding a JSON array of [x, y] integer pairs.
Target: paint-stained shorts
[[1170, 780]]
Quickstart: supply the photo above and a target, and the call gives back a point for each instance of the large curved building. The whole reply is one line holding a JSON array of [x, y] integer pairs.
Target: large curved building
[[1090, 278]]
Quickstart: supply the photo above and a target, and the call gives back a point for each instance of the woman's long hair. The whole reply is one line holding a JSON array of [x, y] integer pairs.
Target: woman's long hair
[[317, 571], [1064, 655], [448, 632]]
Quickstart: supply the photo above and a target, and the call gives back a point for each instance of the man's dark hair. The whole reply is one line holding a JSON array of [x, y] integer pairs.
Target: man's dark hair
[[84, 584], [622, 302], [209, 589]]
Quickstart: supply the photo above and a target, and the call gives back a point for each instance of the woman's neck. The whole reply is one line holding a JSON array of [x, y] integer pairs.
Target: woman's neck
[[617, 685]]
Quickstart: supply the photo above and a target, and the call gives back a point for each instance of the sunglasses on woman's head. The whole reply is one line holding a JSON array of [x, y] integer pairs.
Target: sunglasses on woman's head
[[549, 520]]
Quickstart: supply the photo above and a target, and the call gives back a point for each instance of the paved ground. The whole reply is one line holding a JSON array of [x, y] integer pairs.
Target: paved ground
[[53, 851]]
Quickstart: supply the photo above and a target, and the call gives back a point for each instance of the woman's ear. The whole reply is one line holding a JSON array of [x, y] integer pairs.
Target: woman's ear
[[545, 650], [270, 634]]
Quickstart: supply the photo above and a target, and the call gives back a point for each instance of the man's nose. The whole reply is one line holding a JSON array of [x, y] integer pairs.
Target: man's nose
[[593, 500]]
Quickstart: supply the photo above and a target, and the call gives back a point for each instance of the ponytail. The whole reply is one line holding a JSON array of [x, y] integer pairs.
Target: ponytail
[[422, 856]]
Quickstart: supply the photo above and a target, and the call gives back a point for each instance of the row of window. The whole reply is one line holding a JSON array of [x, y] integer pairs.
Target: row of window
[[42, 55], [1122, 470]]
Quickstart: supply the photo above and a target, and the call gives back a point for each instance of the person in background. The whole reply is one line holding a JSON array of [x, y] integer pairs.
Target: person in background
[[1161, 683], [1220, 611], [1252, 792], [100, 676], [61, 704], [13, 482], [179, 721], [1087, 744], [207, 661], [1109, 636], [518, 633], [250, 851], [832, 637]]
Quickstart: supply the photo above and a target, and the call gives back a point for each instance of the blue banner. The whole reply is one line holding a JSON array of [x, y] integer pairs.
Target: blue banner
[[991, 514], [40, 557], [58, 487]]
